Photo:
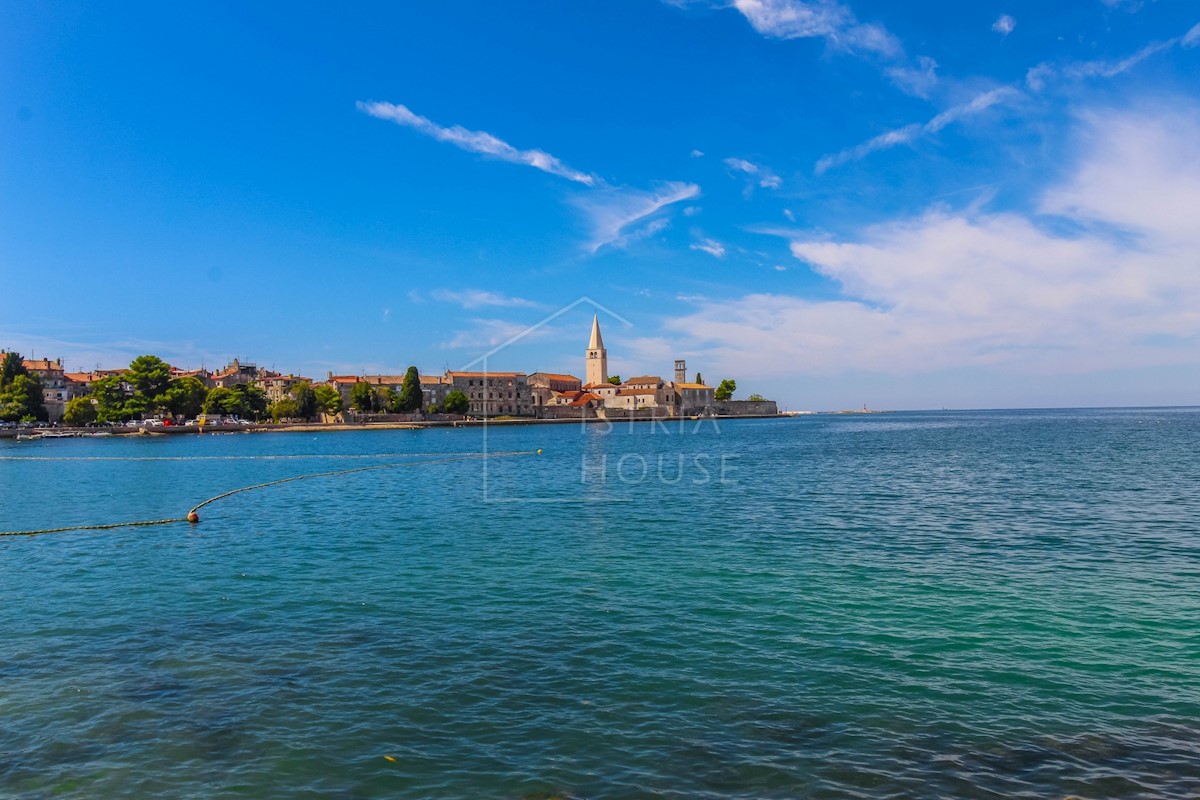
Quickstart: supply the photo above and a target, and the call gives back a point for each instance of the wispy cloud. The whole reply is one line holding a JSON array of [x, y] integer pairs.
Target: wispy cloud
[[1037, 77], [917, 79], [981, 102], [621, 215], [763, 176], [710, 246], [476, 141], [828, 20], [1004, 25], [480, 298], [834, 22]]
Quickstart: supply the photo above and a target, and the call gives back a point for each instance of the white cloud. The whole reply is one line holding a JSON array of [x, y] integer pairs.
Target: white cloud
[[619, 216], [479, 298], [476, 141], [1117, 288], [908, 133], [764, 177], [710, 246], [1004, 25], [697, 154], [1192, 37], [1037, 77], [1110, 69], [826, 19], [835, 23], [918, 79]]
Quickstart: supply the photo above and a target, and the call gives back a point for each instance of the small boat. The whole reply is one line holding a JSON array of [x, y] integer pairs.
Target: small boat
[[28, 437]]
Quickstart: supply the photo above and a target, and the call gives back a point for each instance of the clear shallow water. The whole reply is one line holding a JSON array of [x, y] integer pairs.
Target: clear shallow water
[[968, 605]]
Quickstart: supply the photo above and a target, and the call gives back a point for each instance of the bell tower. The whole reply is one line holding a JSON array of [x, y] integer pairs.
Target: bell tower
[[596, 370], [680, 371]]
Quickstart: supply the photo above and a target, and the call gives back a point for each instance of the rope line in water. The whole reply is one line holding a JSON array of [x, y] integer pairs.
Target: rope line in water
[[283, 457], [192, 517]]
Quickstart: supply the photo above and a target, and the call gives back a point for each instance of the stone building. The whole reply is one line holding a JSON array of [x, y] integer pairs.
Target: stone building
[[549, 389], [494, 393], [277, 387], [596, 369], [56, 390], [434, 389]]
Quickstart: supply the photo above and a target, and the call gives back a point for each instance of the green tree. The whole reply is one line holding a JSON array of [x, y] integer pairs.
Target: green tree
[[185, 397], [757, 398], [284, 408], [362, 398], [615, 380], [410, 398], [221, 400], [253, 401], [456, 403], [241, 400], [725, 390], [20, 392], [699, 380], [329, 400], [306, 400], [149, 376], [387, 400], [79, 412], [21, 400], [12, 366], [110, 396]]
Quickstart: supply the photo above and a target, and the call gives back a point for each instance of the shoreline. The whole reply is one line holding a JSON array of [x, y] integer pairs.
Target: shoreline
[[303, 427]]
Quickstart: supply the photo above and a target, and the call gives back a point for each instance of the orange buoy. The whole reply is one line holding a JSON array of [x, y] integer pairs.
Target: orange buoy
[[193, 517]]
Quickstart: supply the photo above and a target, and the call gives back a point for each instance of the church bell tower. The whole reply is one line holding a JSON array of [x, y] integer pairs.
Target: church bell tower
[[597, 357]]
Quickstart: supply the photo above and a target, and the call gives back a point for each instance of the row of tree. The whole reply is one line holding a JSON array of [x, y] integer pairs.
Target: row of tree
[[147, 389]]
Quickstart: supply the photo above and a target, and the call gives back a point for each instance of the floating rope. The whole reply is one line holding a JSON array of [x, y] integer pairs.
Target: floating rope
[[193, 517], [282, 457]]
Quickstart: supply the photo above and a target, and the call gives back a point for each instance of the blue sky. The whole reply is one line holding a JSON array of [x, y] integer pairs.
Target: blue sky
[[836, 203]]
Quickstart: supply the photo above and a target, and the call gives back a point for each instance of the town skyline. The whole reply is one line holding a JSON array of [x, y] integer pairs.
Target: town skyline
[[936, 205]]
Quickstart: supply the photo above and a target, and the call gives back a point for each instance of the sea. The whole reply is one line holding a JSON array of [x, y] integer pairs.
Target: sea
[[958, 604]]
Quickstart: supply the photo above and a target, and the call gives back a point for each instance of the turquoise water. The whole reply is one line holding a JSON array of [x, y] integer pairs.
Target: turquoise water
[[966, 605]]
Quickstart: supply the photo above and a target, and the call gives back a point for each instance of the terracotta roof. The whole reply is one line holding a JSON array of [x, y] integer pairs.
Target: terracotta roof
[[554, 376], [78, 377], [433, 379], [585, 398], [486, 374], [644, 379], [344, 379], [384, 380], [599, 386], [42, 364], [691, 386]]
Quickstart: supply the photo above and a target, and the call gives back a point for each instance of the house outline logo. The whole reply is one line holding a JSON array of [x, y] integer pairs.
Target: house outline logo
[[483, 359]]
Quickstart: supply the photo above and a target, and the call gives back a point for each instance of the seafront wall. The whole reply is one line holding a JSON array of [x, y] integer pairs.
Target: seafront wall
[[746, 408]]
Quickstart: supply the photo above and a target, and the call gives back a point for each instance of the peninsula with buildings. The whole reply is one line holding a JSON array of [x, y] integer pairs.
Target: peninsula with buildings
[[150, 391]]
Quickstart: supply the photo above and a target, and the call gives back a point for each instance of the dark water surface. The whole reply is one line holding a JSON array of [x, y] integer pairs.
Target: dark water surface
[[959, 605]]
